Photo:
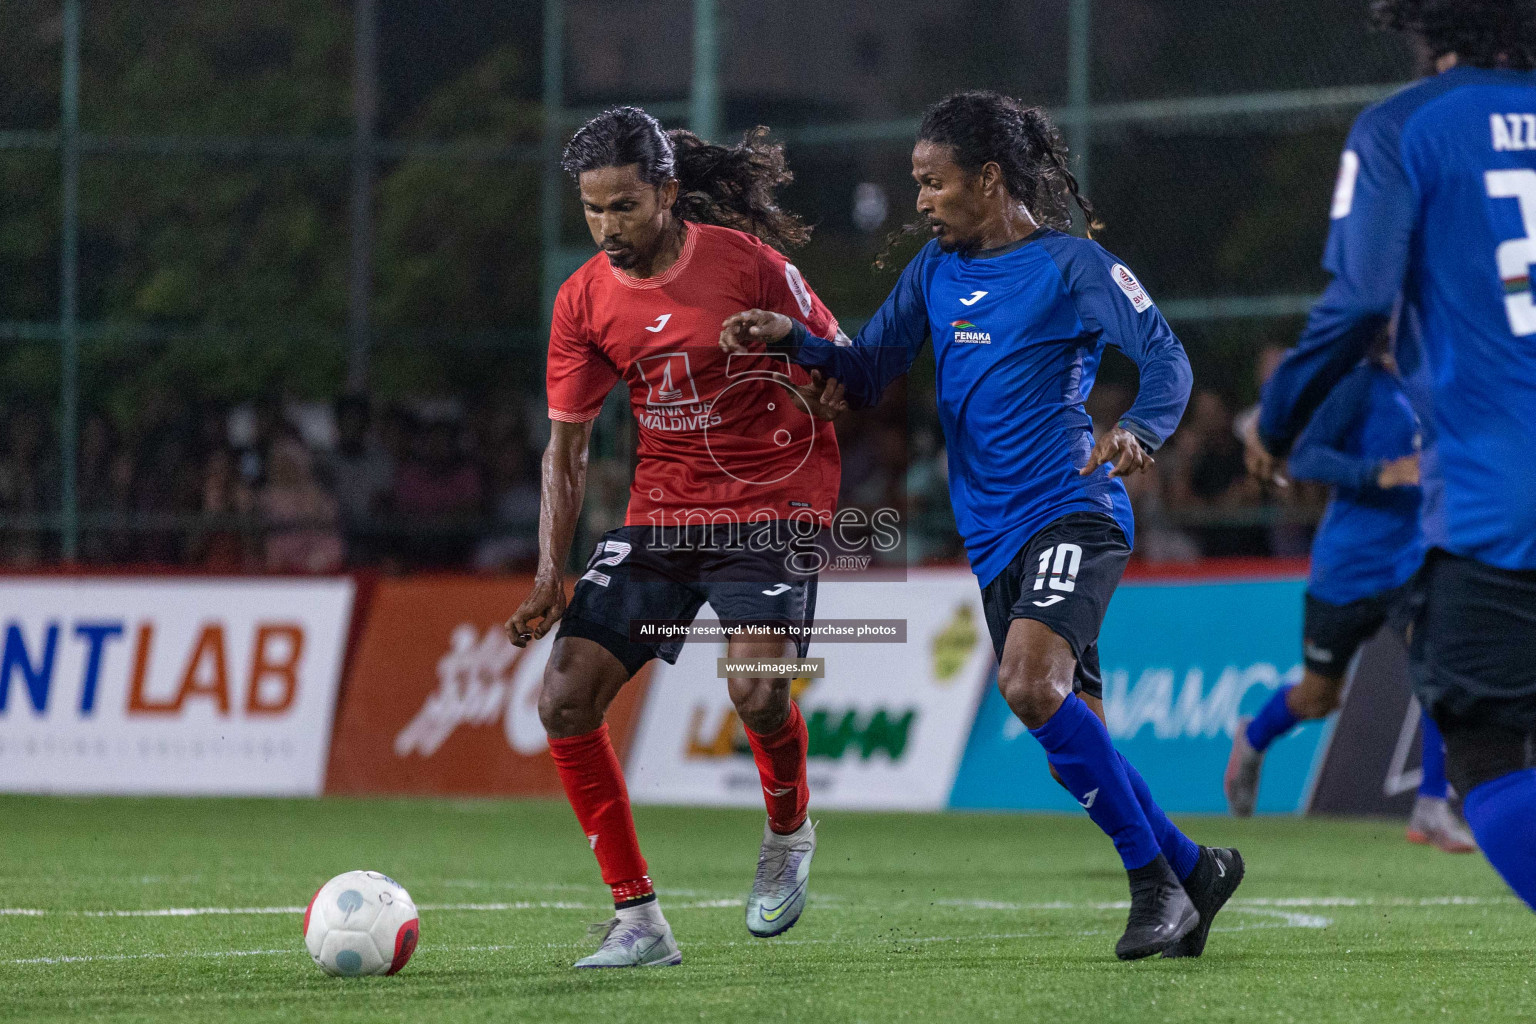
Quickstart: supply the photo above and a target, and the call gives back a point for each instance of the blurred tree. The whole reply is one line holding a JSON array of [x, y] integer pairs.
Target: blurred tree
[[236, 263]]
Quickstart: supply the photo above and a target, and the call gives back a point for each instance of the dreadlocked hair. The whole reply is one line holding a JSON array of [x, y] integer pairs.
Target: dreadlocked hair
[[988, 127], [734, 186], [730, 186], [1484, 33]]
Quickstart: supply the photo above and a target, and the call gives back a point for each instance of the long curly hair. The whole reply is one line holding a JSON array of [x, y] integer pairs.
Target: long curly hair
[[731, 186], [1485, 33], [987, 127]]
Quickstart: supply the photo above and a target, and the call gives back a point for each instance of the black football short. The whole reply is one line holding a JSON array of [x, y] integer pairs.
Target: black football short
[[638, 575], [1332, 633], [1472, 652], [1064, 578]]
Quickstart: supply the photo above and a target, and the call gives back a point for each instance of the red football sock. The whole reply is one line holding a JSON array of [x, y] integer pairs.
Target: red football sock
[[594, 784], [780, 757]]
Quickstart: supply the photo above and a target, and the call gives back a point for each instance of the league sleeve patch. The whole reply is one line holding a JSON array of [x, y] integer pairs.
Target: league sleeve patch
[[797, 287], [1344, 187], [1140, 300]]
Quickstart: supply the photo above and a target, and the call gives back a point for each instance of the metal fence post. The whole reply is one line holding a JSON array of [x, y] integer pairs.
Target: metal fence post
[[365, 112], [69, 287], [704, 87], [551, 181], [1079, 72]]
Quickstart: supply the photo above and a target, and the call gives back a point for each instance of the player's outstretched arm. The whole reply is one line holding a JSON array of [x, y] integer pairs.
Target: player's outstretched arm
[[865, 366], [563, 487], [1320, 453]]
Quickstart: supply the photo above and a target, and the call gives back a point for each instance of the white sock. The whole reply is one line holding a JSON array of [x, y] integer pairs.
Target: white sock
[[650, 911], [803, 832]]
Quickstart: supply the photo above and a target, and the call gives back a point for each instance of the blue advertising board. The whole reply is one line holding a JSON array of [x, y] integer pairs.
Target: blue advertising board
[[1182, 663]]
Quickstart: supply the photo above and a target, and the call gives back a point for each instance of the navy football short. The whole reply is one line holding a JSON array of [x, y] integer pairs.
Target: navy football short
[[1472, 653], [1332, 633], [637, 574], [1064, 578]]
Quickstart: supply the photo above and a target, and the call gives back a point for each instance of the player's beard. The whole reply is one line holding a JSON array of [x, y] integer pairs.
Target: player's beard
[[964, 247], [624, 259]]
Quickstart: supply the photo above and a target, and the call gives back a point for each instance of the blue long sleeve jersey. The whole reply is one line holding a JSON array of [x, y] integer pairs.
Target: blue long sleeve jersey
[[1434, 220], [1370, 539], [1018, 333]]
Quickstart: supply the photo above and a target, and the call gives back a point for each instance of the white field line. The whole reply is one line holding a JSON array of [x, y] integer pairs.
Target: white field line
[[1298, 902], [434, 907], [1286, 922], [1289, 901], [112, 957]]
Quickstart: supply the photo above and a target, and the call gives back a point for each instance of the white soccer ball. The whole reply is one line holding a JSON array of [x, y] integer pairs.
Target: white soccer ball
[[362, 922]]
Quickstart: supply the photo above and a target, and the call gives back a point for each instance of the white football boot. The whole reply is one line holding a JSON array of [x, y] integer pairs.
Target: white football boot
[[783, 871], [1241, 781], [1434, 824], [635, 937]]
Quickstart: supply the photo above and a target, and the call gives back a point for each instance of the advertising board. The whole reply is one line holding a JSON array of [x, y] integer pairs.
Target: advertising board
[[887, 722], [169, 685], [438, 701], [1182, 661]]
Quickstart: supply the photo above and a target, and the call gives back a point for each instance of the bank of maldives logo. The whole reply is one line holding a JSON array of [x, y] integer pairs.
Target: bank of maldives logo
[[966, 333], [668, 379]]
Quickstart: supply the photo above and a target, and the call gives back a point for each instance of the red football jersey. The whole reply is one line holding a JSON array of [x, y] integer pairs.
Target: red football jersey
[[722, 438]]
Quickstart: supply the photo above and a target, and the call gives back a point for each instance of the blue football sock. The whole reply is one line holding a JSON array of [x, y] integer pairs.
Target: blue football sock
[[1078, 746], [1273, 720], [1432, 759], [1181, 851], [1502, 814]]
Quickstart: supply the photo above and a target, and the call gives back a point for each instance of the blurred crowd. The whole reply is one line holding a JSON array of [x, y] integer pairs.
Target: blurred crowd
[[291, 488], [306, 487]]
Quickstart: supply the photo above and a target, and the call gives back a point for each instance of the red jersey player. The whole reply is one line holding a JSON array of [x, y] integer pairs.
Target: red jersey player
[[736, 474]]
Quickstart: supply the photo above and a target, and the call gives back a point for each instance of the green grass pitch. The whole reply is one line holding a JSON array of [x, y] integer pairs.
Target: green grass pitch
[[911, 917]]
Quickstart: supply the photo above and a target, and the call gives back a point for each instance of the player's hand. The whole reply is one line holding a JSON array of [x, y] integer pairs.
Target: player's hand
[[1403, 472], [546, 604], [824, 395], [753, 325], [1262, 466], [1122, 451]]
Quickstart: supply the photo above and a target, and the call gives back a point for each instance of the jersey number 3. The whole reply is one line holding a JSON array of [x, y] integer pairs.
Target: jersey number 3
[[1516, 256]]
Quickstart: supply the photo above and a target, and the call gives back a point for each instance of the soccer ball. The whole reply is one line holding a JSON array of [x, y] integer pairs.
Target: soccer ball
[[362, 922]]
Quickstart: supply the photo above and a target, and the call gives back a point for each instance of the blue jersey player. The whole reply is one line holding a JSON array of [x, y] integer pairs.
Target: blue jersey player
[[1434, 217], [1019, 314], [1364, 442]]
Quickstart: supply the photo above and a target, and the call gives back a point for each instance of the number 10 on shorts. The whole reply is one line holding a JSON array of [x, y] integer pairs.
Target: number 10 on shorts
[[1058, 567]]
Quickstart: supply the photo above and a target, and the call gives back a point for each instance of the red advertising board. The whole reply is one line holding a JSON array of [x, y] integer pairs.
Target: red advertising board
[[437, 701]]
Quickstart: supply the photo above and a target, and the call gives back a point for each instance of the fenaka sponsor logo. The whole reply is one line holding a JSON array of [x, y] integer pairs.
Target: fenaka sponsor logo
[[967, 333]]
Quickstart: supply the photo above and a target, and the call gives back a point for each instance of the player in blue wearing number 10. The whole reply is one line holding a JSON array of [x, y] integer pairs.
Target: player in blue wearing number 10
[[1019, 313], [1434, 220]]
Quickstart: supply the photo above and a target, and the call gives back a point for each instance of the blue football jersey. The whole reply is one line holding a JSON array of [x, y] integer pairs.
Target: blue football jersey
[[1018, 333], [1434, 220], [1370, 539]]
